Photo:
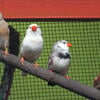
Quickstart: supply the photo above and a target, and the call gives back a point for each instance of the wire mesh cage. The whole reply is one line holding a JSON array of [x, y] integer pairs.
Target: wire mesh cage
[[84, 34]]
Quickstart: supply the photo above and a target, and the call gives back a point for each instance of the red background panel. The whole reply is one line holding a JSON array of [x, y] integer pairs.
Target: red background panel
[[50, 8]]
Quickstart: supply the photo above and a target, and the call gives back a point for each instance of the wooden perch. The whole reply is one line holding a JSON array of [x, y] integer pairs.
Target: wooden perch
[[44, 74]]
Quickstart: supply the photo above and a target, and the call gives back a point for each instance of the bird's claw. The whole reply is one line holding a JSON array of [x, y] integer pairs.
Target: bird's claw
[[67, 77], [5, 53], [22, 60], [50, 70], [36, 64]]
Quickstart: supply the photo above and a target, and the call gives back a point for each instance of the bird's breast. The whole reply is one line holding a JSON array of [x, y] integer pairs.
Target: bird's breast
[[34, 43], [31, 47], [60, 62], [60, 65]]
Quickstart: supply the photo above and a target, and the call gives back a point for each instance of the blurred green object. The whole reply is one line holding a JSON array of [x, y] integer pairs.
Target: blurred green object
[[85, 58]]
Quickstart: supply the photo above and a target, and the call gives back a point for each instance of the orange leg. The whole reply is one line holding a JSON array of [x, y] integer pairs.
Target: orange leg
[[50, 70], [36, 64], [22, 60], [6, 52], [67, 77]]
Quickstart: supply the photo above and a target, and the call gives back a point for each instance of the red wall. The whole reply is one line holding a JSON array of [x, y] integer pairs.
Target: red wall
[[50, 8]]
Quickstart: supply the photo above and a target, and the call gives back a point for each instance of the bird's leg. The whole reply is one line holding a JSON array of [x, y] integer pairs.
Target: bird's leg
[[50, 70], [36, 64], [67, 77], [22, 60], [6, 51]]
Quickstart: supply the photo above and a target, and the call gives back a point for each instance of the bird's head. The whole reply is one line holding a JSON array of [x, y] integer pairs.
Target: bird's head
[[34, 29], [61, 46]]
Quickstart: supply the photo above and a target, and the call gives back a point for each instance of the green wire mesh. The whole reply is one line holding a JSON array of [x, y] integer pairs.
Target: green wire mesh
[[85, 54]]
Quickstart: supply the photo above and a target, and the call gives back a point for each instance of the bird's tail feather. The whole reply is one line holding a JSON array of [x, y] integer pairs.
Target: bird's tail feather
[[24, 73]]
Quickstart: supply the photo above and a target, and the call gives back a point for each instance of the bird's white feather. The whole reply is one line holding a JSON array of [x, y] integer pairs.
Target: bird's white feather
[[32, 45], [57, 64]]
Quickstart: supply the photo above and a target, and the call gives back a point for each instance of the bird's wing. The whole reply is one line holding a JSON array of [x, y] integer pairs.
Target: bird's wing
[[21, 49], [22, 46], [50, 62]]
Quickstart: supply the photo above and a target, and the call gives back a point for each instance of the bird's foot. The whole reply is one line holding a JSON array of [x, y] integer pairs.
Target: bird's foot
[[36, 65], [5, 53], [22, 60], [67, 77], [50, 70]]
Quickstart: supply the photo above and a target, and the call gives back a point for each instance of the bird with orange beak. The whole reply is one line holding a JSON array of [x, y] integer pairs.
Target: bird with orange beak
[[59, 60], [32, 45], [4, 35]]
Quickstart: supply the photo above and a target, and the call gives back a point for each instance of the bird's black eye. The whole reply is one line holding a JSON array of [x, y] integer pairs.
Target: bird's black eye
[[64, 42]]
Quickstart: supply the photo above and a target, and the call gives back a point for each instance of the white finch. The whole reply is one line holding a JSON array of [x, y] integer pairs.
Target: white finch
[[59, 60], [4, 35], [32, 45]]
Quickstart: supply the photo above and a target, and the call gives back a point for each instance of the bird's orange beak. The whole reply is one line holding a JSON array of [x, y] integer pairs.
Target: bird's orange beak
[[34, 28], [69, 44]]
